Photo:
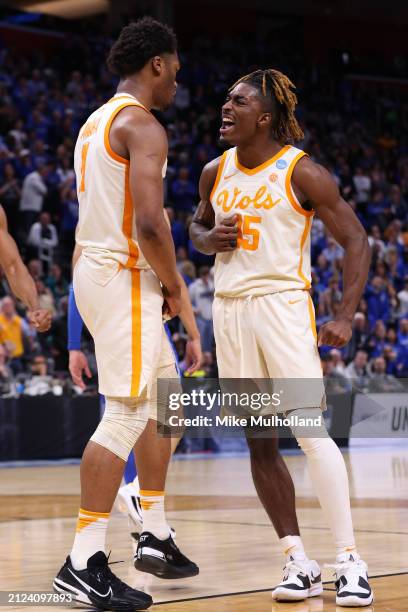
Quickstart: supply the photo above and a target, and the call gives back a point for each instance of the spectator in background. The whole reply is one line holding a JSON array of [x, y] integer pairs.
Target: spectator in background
[[378, 301], [32, 196], [43, 239], [333, 251], [403, 299], [35, 269], [10, 194], [45, 297], [381, 382], [377, 339], [187, 271], [362, 186], [6, 375], [402, 334], [335, 382], [202, 296], [183, 192], [178, 229], [357, 371], [57, 284], [12, 331], [70, 213]]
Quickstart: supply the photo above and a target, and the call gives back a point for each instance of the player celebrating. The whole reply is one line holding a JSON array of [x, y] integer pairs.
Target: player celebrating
[[19, 279], [256, 209], [124, 279]]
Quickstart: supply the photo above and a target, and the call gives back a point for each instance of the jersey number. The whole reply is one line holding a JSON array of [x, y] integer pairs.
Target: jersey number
[[248, 237], [84, 153]]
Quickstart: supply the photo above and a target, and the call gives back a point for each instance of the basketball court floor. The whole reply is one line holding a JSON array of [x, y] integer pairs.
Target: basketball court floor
[[220, 524]]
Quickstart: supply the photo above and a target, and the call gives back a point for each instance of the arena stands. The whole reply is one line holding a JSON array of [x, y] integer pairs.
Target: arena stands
[[349, 128]]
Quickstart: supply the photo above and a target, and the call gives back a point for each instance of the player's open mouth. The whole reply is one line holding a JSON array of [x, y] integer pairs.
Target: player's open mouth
[[227, 125]]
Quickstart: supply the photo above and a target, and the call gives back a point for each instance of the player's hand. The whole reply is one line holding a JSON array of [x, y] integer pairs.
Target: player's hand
[[193, 357], [172, 302], [78, 365], [335, 333], [40, 319], [223, 237]]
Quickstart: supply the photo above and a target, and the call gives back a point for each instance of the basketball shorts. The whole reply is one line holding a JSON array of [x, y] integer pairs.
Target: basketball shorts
[[122, 310], [271, 340]]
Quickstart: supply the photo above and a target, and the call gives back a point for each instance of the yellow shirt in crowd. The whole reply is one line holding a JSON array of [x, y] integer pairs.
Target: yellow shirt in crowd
[[11, 331]]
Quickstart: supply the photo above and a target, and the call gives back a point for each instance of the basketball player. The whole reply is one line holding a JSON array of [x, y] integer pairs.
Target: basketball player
[[129, 495], [124, 280], [256, 209], [19, 279]]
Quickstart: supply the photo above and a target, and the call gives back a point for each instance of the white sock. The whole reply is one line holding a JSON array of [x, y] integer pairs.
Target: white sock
[[292, 546], [154, 519], [90, 537]]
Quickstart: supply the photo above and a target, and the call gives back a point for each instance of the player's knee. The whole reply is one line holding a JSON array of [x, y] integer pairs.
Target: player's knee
[[123, 422]]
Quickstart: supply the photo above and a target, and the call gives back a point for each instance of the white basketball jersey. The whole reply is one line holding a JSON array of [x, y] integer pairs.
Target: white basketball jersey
[[273, 252], [106, 228]]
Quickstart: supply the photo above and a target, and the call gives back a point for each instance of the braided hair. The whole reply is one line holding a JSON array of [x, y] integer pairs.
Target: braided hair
[[277, 89]]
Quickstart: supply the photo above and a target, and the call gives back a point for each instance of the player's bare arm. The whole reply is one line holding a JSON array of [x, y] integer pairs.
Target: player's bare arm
[[19, 279], [314, 184], [207, 237], [146, 144]]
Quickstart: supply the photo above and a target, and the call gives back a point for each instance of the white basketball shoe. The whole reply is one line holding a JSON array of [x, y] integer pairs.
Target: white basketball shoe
[[301, 579]]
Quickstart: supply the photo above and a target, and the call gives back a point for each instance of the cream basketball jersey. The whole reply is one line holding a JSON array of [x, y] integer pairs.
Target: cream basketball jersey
[[106, 228], [273, 252]]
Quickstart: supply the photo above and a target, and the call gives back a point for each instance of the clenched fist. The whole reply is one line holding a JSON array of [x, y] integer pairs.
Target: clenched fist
[[223, 238], [40, 319]]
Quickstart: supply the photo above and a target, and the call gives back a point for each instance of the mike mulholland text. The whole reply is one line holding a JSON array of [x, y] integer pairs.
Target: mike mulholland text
[[272, 420]]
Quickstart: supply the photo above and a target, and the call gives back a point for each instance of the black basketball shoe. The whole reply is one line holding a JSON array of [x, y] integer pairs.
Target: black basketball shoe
[[162, 558], [98, 586]]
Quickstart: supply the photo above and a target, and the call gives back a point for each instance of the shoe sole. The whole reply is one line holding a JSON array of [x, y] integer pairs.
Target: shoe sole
[[153, 565], [79, 596], [288, 595], [353, 601]]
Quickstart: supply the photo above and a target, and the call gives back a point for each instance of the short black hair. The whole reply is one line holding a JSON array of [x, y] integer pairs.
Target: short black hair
[[138, 42]]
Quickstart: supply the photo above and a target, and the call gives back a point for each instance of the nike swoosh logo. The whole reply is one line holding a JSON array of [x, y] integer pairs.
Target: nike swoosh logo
[[294, 301], [229, 176], [89, 588]]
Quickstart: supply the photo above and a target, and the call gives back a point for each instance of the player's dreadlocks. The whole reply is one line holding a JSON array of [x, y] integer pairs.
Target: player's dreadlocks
[[277, 88]]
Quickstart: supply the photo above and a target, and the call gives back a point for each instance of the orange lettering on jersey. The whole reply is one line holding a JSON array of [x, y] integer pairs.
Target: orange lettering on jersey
[[90, 128], [262, 199], [244, 203]]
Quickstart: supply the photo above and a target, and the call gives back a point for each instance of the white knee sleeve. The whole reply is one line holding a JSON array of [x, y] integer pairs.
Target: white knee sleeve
[[123, 421]]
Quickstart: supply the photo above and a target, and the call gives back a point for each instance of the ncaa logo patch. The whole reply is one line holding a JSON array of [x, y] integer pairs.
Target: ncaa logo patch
[[273, 177], [281, 164]]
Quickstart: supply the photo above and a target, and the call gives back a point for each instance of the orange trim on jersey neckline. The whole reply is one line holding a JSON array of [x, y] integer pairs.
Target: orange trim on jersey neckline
[[289, 191], [108, 147], [219, 174], [312, 316], [302, 244], [267, 163], [136, 333]]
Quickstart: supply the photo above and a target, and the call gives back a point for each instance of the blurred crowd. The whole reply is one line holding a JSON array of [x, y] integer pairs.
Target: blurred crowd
[[352, 129]]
